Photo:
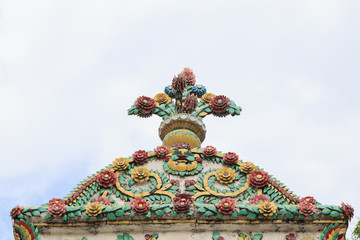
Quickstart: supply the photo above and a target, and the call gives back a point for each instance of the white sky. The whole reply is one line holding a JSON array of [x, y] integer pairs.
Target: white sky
[[69, 70]]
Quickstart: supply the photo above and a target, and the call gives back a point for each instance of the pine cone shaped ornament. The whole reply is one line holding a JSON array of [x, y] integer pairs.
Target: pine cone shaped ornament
[[190, 103]]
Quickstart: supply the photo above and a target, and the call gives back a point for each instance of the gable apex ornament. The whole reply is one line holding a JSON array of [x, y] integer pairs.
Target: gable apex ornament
[[182, 106]]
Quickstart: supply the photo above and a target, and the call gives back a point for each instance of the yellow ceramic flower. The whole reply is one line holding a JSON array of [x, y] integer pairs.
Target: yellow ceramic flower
[[120, 164], [267, 208], [206, 98], [162, 98], [225, 175], [94, 209], [140, 174], [247, 167]]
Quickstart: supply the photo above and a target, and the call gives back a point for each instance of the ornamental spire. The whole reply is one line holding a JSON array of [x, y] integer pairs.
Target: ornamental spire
[[182, 106]]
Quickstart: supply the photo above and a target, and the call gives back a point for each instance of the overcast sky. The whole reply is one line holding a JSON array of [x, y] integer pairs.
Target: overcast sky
[[69, 70]]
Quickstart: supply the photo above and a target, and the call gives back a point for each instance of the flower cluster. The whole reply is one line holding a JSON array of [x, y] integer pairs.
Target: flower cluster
[[57, 207], [140, 156], [190, 103], [146, 105], [259, 178], [348, 209], [179, 83], [259, 198], [225, 175], [175, 182], [267, 208], [182, 146], [16, 211], [189, 183], [139, 205], [199, 90], [247, 167], [162, 151], [218, 105], [140, 174], [162, 98], [230, 158], [120, 164], [209, 151], [182, 203], [207, 97], [169, 91], [94, 209], [189, 76], [102, 200], [306, 207], [106, 178], [226, 205]]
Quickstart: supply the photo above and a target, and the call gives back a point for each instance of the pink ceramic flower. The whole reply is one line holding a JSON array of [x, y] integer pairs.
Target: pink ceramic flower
[[259, 178], [209, 151], [306, 208], [103, 200], [226, 205], [140, 205], [230, 158], [259, 198], [106, 178], [162, 151]]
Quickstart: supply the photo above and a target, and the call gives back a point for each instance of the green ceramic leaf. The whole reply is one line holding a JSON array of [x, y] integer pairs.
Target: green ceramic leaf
[[111, 216], [77, 213], [251, 215], [216, 235], [159, 212], [334, 214], [326, 211], [290, 215], [208, 213], [47, 216], [243, 212], [71, 215]]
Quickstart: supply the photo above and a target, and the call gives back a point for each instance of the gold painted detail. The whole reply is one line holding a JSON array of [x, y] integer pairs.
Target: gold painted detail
[[208, 191]]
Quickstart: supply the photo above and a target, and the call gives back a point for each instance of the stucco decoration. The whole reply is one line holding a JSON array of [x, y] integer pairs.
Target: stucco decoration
[[180, 182]]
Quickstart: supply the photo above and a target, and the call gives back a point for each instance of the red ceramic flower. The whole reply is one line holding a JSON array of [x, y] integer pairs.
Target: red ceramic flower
[[179, 83], [308, 199], [182, 146], [182, 203], [106, 178], [209, 151], [230, 158], [175, 182], [219, 104], [146, 105], [103, 200], [189, 183], [162, 151], [56, 200], [139, 205], [259, 198], [226, 205], [140, 156], [57, 209], [189, 76], [16, 211], [306, 208], [259, 178], [190, 103], [348, 209]]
